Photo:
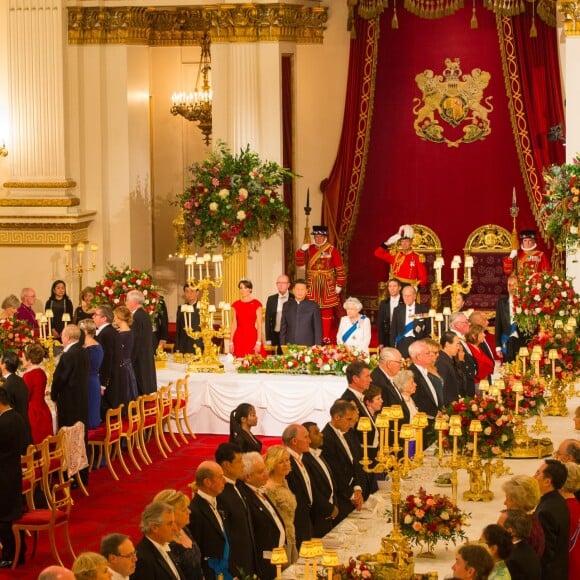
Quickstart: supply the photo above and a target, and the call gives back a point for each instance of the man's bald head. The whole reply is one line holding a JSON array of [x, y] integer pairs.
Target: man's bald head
[[56, 573]]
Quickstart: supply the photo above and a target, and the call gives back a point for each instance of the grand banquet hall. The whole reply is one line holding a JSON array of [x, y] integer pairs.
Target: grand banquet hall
[[439, 114]]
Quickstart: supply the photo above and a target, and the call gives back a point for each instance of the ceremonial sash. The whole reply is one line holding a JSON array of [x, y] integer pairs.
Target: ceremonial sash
[[220, 566], [408, 327], [317, 255], [349, 332], [506, 337]]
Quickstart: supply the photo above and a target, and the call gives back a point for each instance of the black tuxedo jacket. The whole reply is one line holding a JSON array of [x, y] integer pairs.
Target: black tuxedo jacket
[[18, 396], [109, 339], [502, 326], [207, 532], [184, 343], [453, 384], [384, 321], [160, 324], [389, 392], [297, 485], [142, 356], [423, 397], [523, 562], [70, 386], [421, 328], [301, 323], [348, 395], [347, 473], [468, 367], [239, 529], [553, 514], [266, 532], [151, 565], [270, 318], [323, 500]]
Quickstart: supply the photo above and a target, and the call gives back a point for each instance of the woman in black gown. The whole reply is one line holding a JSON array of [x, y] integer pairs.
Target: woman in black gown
[[60, 304], [122, 320], [242, 419]]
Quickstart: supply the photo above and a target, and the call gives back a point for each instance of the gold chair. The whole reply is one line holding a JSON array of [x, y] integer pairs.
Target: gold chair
[[107, 438], [38, 520], [32, 472], [149, 409], [165, 415], [130, 432], [180, 407]]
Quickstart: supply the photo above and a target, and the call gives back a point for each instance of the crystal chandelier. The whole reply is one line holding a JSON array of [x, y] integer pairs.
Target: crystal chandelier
[[197, 106]]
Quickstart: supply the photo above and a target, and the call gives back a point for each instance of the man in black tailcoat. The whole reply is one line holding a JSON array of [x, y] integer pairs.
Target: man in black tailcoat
[[274, 306], [183, 342], [386, 309], [407, 324], [17, 390], [142, 356], [508, 337]]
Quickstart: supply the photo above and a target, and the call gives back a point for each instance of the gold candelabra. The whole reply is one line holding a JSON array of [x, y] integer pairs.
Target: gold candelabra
[[77, 266], [556, 406], [208, 359], [457, 287], [395, 555]]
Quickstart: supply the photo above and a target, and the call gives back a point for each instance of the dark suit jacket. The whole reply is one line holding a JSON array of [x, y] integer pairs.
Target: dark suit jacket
[[270, 318], [239, 528], [301, 323], [266, 532], [70, 386], [18, 396], [384, 321], [468, 367], [423, 397], [452, 383], [161, 326], [502, 326], [184, 343], [297, 485], [109, 339], [323, 500], [421, 328], [346, 473], [523, 562], [142, 356], [151, 565], [207, 532], [553, 514], [390, 393]]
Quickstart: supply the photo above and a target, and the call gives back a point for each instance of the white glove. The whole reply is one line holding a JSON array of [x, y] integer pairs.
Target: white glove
[[513, 254], [393, 239], [338, 289], [304, 247]]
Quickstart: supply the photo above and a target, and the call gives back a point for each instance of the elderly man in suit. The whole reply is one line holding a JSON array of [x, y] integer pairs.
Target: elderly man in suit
[[274, 306], [407, 325], [235, 510], [390, 363], [269, 530], [154, 561], [459, 324], [386, 309], [301, 319], [508, 337], [297, 441], [142, 355], [25, 311], [554, 516], [206, 524]]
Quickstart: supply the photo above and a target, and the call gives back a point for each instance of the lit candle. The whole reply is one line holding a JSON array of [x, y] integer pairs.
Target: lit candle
[[200, 266], [66, 318], [67, 250]]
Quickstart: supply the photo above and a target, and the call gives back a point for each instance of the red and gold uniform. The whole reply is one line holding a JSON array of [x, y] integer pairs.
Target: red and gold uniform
[[526, 263], [408, 267], [324, 272]]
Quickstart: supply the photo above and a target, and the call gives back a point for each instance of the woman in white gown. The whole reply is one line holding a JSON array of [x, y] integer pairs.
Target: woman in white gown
[[354, 330]]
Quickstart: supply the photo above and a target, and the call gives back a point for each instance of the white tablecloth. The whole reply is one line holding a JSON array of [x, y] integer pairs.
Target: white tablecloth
[[279, 399]]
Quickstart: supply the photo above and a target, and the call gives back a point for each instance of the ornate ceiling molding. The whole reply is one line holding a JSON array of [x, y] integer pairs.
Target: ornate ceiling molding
[[183, 26]]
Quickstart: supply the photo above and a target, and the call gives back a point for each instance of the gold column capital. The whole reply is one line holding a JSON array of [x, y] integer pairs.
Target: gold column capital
[[185, 25], [570, 10]]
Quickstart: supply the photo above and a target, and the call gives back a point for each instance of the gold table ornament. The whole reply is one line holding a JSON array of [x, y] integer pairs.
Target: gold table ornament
[[330, 561], [279, 558]]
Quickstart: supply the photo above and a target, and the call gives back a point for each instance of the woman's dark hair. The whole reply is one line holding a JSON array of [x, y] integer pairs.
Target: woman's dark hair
[[371, 393], [478, 558], [54, 285], [495, 535], [242, 411], [247, 283]]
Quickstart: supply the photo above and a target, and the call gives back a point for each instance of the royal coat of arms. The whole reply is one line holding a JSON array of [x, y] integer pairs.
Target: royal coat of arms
[[453, 98]]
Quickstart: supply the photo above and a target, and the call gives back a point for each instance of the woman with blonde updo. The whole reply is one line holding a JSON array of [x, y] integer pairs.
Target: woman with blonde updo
[[522, 492], [9, 307], [277, 462], [122, 320], [91, 566], [183, 547]]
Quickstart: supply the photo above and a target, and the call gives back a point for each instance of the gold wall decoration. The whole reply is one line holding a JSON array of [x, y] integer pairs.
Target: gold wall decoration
[[456, 99], [35, 202], [31, 234], [571, 12], [183, 26]]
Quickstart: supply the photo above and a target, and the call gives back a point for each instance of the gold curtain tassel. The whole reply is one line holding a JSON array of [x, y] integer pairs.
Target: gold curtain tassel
[[533, 30], [395, 20], [474, 23]]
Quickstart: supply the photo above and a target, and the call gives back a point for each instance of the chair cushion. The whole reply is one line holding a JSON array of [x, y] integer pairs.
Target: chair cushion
[[150, 421], [100, 433], [38, 518]]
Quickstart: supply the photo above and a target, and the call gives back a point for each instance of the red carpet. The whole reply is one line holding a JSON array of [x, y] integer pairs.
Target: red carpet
[[115, 506]]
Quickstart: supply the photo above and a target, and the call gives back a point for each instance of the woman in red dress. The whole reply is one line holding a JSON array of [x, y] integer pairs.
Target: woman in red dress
[[474, 337], [39, 413], [247, 323]]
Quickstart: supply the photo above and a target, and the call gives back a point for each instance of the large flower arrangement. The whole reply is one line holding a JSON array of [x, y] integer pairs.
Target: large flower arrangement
[[118, 281], [428, 518], [561, 203], [542, 299], [15, 335], [314, 360], [531, 400], [564, 340], [497, 424], [233, 199]]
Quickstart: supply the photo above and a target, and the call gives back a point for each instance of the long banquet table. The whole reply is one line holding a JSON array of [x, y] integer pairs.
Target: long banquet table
[[279, 399]]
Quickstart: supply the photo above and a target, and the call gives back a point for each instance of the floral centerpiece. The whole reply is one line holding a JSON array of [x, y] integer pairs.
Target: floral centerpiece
[[561, 203], [497, 436], [429, 518], [15, 335], [532, 400], [117, 282], [354, 570], [564, 340], [233, 199], [300, 360], [542, 299]]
